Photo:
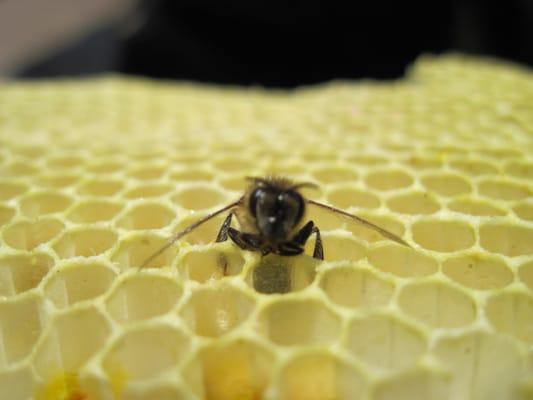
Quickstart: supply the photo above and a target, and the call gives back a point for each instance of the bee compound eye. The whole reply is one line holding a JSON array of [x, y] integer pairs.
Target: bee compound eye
[[252, 206], [293, 207]]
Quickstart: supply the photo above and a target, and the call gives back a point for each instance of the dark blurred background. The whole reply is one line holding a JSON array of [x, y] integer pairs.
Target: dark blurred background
[[275, 43]]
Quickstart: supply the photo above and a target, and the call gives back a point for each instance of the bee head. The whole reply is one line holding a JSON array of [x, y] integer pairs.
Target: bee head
[[277, 211]]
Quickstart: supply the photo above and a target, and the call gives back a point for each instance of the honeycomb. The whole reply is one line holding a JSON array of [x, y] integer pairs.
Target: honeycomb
[[96, 175]]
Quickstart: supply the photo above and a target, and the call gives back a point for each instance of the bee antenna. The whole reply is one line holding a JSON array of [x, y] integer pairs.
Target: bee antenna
[[383, 232], [188, 230]]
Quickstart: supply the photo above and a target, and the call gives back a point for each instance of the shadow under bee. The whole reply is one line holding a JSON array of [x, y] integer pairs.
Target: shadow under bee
[[276, 274]]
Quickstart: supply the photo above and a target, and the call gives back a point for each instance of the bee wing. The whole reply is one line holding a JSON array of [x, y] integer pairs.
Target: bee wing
[[383, 232], [188, 230]]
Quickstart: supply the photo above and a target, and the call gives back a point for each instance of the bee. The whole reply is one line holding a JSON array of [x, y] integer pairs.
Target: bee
[[270, 215]]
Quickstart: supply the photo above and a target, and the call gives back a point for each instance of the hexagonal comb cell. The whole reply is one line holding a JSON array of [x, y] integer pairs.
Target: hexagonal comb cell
[[43, 203], [9, 190], [192, 174], [443, 236], [318, 376], [78, 281], [367, 159], [526, 274], [446, 184], [238, 369], [503, 152], [401, 261], [437, 304], [274, 274], [293, 168], [416, 384], [333, 174], [29, 151], [476, 207], [503, 190], [512, 313], [506, 239], [71, 338], [474, 167], [26, 235], [419, 162], [204, 264], [90, 211], [19, 169], [141, 296], [100, 187], [299, 322], [19, 273], [146, 216], [338, 247], [478, 271], [160, 391], [148, 190], [133, 252], [414, 203], [214, 311], [522, 170], [147, 172], [388, 179], [6, 213], [482, 366], [384, 342], [346, 197], [145, 352], [21, 323], [523, 211], [61, 385], [56, 180], [352, 287], [232, 182], [370, 235], [17, 384], [192, 156], [232, 164], [62, 162], [105, 166], [85, 242], [198, 197]]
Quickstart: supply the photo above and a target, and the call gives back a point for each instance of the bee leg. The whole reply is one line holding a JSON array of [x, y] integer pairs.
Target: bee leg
[[222, 237], [266, 250], [289, 249], [318, 252], [303, 234], [223, 233], [245, 241]]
